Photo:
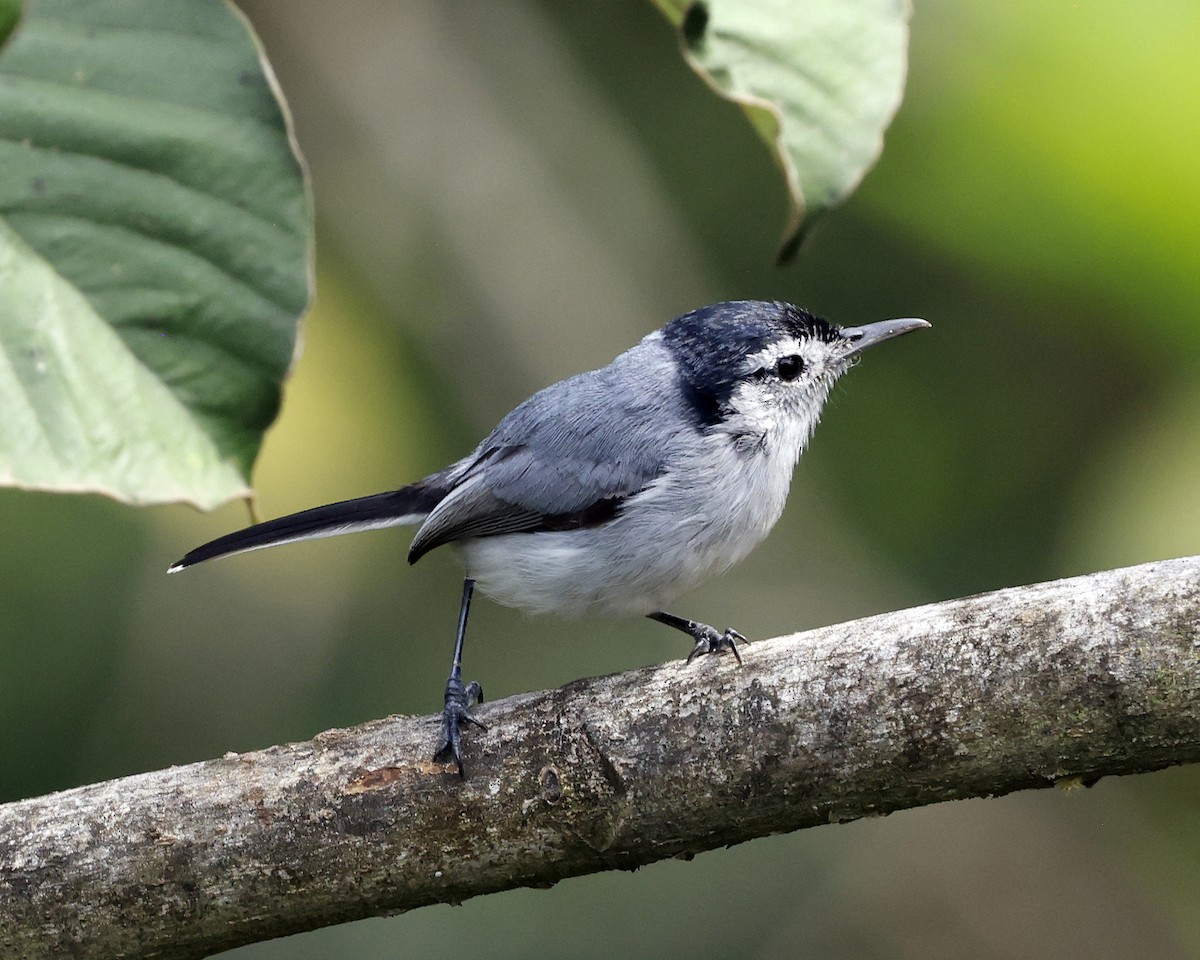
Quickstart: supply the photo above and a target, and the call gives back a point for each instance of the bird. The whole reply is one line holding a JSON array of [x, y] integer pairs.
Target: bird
[[614, 491]]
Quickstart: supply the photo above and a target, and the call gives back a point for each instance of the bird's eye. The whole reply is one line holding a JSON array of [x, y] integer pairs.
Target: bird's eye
[[789, 367]]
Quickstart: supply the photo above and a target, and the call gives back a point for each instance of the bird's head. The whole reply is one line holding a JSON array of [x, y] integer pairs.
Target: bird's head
[[761, 371]]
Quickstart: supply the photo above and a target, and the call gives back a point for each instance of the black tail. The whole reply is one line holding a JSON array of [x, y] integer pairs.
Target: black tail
[[409, 505]]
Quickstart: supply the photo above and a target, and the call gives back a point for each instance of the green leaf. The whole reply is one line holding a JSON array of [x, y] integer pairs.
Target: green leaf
[[155, 244], [10, 13], [819, 80]]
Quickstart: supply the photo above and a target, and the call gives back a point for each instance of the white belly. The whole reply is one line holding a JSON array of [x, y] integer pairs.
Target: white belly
[[679, 531]]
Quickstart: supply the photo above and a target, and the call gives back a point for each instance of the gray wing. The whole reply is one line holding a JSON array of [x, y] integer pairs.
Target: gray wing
[[569, 456]]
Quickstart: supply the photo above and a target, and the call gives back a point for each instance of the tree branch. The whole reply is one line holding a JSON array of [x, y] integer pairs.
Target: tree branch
[[1076, 679]]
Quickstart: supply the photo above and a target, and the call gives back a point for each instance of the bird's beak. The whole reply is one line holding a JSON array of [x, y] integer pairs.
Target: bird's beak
[[873, 333]]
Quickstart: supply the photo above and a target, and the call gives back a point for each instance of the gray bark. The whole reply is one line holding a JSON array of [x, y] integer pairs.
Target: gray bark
[[1026, 687]]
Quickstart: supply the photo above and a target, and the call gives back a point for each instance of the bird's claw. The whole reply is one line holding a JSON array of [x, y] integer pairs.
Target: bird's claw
[[457, 711], [708, 640]]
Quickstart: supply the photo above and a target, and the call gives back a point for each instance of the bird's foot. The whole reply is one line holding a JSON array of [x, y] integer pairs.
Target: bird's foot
[[460, 701], [709, 640]]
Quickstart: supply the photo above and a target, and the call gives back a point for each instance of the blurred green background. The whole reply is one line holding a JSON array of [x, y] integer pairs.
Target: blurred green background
[[507, 194]]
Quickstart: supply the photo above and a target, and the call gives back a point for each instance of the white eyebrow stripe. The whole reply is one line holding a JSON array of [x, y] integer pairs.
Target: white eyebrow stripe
[[770, 354]]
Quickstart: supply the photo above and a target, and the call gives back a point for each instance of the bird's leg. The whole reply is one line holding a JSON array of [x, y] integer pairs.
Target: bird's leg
[[708, 639], [459, 699]]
